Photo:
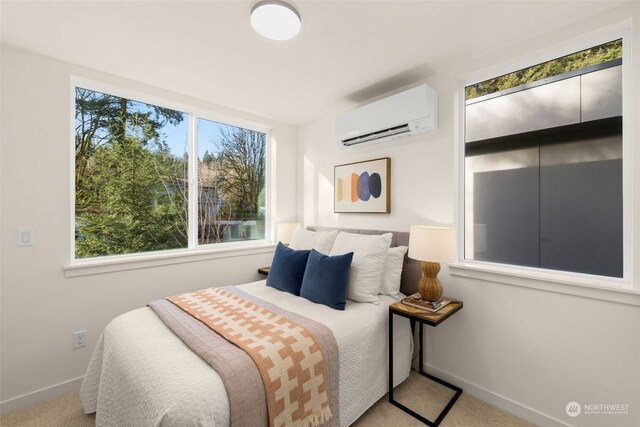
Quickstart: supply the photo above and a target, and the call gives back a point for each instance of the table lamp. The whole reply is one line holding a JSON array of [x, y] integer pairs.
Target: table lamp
[[431, 245], [285, 230]]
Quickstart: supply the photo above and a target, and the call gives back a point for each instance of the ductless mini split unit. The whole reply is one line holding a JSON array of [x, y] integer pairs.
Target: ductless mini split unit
[[407, 113]]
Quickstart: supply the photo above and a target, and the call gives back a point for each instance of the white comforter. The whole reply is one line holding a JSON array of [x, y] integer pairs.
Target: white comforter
[[142, 374]]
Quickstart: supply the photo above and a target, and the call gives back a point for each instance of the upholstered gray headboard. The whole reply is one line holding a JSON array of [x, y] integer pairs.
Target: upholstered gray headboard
[[411, 271]]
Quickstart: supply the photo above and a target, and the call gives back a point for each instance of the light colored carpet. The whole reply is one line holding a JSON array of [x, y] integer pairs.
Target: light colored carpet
[[428, 398], [418, 393], [65, 410]]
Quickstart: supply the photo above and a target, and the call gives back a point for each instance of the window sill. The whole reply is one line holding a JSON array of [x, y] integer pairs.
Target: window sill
[[608, 290], [131, 262]]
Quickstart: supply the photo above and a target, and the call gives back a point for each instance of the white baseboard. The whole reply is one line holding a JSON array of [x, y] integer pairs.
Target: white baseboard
[[502, 402], [28, 399]]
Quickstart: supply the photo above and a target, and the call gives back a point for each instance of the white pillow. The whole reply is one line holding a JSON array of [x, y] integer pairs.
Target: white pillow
[[369, 256], [393, 271], [321, 241]]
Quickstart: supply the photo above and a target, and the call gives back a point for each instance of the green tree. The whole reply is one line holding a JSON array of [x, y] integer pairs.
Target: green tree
[[242, 155], [208, 158], [130, 190], [102, 119], [575, 61], [135, 210]]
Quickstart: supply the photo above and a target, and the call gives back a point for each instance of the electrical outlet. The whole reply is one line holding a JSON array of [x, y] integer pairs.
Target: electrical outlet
[[79, 339]]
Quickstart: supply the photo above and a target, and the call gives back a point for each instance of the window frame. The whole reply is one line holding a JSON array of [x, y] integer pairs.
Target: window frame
[[193, 251], [587, 285]]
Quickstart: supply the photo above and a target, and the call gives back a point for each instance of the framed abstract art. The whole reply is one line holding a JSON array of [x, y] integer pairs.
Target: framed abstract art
[[363, 187]]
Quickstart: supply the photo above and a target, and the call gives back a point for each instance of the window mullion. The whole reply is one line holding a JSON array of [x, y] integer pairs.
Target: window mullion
[[193, 181]]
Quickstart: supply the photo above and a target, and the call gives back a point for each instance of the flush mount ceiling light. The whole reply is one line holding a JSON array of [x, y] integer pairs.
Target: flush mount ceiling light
[[275, 20]]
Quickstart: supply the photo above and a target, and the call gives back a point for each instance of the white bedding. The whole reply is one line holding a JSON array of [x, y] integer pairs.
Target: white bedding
[[143, 374]]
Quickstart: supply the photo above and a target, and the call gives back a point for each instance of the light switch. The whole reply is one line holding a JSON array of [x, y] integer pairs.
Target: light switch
[[25, 237]]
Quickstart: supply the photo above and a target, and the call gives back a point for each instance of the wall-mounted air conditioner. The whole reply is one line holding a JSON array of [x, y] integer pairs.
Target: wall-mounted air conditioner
[[407, 113]]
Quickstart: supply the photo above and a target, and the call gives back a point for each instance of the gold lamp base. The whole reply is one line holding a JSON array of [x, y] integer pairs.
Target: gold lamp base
[[429, 286]]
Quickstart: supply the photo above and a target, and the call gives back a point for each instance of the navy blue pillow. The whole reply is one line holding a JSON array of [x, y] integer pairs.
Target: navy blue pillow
[[287, 269], [326, 278]]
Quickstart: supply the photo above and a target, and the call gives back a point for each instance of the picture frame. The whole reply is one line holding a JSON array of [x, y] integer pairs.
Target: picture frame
[[362, 187]]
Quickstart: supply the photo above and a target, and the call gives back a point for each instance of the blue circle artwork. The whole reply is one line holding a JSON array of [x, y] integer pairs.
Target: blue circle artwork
[[363, 187], [375, 185]]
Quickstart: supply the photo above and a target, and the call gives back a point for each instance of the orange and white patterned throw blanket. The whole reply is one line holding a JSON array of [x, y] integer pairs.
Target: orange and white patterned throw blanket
[[287, 355]]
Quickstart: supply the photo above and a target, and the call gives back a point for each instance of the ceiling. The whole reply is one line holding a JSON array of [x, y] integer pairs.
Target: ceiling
[[347, 51]]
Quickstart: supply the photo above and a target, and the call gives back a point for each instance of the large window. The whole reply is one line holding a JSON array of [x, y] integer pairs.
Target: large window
[[543, 165], [132, 176]]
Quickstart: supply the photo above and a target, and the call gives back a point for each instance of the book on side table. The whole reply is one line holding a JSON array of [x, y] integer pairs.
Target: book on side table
[[416, 300]]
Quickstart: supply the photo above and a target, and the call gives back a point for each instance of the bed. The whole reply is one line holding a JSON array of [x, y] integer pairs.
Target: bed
[[141, 373]]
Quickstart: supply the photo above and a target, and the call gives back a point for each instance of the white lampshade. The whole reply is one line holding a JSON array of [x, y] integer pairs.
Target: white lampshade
[[275, 20], [285, 230], [435, 244]]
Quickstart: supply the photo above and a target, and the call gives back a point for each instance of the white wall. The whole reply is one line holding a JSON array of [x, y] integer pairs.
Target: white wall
[[528, 351], [40, 308]]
